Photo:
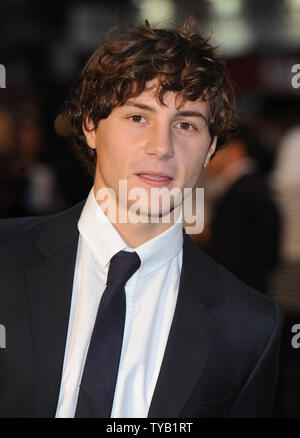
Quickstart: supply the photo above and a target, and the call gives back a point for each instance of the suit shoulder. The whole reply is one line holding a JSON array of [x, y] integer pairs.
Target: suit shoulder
[[21, 237], [236, 296], [249, 318], [13, 228], [243, 296]]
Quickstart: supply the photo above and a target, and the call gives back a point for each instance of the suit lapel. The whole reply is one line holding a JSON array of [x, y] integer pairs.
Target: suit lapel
[[192, 335], [49, 292]]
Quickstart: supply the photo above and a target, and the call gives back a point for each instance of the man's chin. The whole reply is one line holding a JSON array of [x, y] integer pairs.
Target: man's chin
[[150, 214]]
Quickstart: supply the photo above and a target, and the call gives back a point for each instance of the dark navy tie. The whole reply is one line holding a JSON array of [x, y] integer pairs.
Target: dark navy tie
[[100, 372]]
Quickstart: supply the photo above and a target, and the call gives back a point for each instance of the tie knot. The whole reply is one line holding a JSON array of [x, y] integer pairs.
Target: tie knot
[[122, 266]]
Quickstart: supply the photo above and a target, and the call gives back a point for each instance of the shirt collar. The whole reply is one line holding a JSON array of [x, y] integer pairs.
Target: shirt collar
[[104, 240]]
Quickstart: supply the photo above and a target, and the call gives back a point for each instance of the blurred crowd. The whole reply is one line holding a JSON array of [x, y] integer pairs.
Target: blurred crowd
[[35, 176]]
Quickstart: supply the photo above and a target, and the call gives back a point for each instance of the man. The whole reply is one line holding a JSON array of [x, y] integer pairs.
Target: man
[[191, 340]]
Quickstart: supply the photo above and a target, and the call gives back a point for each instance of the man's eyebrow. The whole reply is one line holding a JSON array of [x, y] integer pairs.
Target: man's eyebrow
[[184, 113], [192, 114], [140, 106]]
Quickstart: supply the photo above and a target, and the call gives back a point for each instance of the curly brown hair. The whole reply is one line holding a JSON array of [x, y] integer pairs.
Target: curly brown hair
[[180, 59]]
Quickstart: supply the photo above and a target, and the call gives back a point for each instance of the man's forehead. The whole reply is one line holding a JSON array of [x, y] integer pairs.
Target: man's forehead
[[171, 99]]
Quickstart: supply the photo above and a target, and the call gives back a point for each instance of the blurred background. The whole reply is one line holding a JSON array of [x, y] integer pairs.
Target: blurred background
[[252, 188]]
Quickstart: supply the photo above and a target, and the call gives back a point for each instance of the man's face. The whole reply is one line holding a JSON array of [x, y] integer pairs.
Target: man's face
[[151, 145]]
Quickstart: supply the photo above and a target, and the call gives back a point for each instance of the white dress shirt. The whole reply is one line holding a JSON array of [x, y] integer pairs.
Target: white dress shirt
[[151, 295]]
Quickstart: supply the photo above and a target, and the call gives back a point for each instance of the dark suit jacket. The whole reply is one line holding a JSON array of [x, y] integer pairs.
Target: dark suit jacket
[[222, 351]]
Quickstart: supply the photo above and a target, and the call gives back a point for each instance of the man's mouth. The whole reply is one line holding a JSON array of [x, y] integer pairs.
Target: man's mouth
[[156, 179]]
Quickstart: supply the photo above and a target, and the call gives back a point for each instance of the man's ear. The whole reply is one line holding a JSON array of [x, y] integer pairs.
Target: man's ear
[[211, 151], [89, 132]]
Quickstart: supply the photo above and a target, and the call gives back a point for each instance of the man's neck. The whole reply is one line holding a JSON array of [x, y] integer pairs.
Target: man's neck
[[136, 234]]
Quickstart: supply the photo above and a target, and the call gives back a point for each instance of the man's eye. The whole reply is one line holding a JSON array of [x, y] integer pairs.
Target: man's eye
[[185, 126], [137, 118]]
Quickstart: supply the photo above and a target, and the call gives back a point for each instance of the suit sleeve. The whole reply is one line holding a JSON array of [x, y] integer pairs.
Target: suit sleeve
[[255, 400]]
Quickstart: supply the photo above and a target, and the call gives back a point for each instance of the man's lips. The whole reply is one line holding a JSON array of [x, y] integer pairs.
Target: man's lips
[[158, 179]]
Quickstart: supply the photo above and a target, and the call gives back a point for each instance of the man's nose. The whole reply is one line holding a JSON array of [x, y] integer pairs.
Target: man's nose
[[160, 142]]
